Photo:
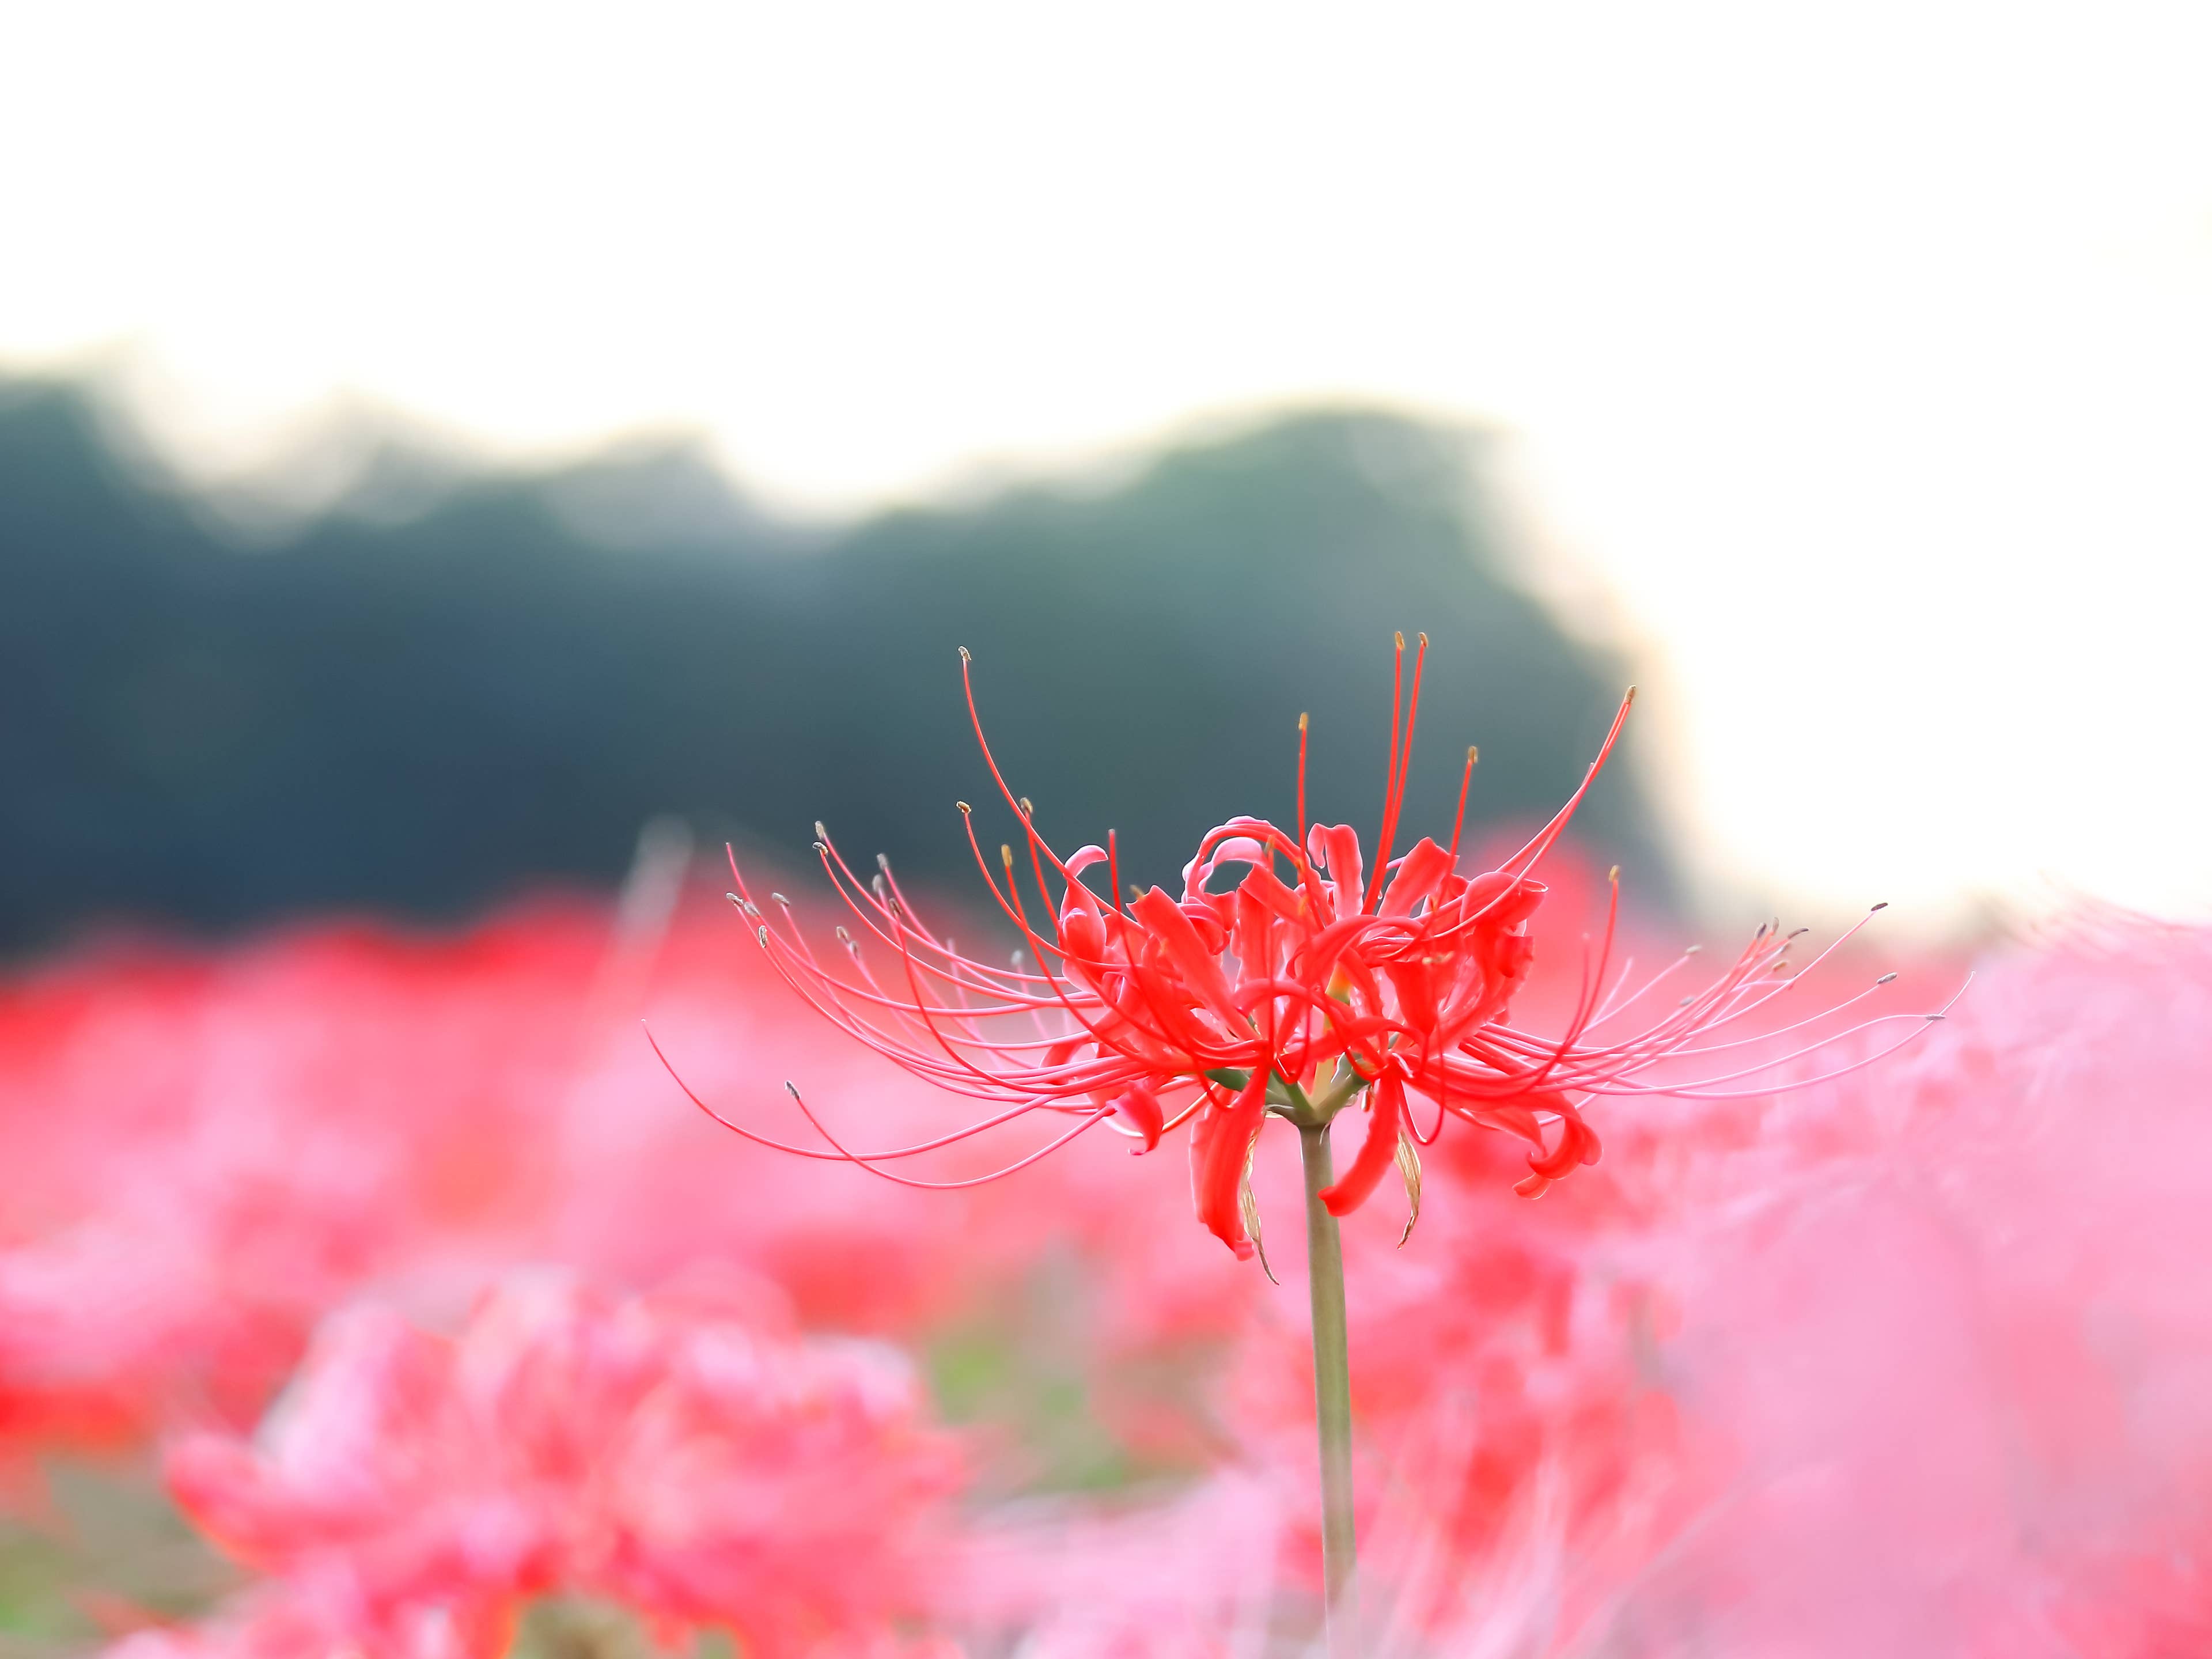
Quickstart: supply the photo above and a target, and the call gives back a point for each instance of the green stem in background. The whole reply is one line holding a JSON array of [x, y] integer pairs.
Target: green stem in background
[[1332, 1392]]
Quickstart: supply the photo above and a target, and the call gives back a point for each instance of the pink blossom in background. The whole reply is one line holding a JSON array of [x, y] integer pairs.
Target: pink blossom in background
[[1945, 1343], [1918, 1362], [208, 1151], [1914, 1362], [208, 1155], [1195, 1576], [216, 1149], [688, 1456]]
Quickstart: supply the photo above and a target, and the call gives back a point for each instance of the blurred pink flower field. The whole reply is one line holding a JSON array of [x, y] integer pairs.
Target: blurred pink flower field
[[448, 1327]]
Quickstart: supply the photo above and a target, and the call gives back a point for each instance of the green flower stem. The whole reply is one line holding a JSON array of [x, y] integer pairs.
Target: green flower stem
[[1332, 1391]]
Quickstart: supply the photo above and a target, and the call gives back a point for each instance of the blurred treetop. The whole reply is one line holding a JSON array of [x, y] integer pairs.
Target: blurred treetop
[[419, 707]]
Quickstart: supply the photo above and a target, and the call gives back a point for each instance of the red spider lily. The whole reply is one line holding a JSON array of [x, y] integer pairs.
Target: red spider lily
[[1308, 985]]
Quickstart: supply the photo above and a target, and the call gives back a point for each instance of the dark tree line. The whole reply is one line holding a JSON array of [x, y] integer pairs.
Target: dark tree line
[[418, 711]]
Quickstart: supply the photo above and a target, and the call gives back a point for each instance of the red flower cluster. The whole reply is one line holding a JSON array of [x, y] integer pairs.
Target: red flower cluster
[[685, 1456], [1916, 1364], [1312, 982]]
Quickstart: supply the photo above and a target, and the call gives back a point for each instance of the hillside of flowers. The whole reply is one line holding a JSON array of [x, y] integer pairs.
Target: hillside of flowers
[[378, 1291]]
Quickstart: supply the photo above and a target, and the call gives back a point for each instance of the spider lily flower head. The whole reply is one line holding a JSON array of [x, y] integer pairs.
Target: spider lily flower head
[[1315, 983]]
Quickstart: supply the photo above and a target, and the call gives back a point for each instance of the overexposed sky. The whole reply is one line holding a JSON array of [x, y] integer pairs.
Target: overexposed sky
[[1865, 351]]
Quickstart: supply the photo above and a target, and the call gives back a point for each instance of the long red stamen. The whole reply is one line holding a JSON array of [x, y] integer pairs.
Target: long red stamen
[[1540, 843], [1303, 724], [1406, 761], [1049, 1147], [1401, 767], [1389, 778], [1459, 818], [738, 1129], [1013, 887], [1051, 911]]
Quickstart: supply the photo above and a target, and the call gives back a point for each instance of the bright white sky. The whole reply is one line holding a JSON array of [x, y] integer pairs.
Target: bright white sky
[[1865, 351]]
